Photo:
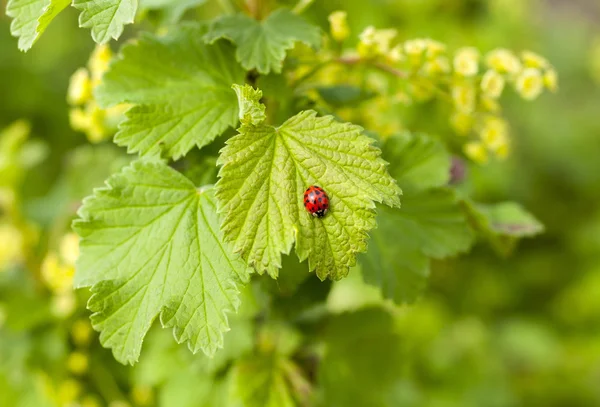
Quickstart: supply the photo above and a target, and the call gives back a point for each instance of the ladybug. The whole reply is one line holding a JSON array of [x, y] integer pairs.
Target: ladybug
[[316, 201]]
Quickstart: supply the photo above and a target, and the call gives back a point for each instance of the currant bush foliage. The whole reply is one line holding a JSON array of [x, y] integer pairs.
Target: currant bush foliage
[[262, 45], [151, 245], [155, 244], [181, 88], [264, 173]]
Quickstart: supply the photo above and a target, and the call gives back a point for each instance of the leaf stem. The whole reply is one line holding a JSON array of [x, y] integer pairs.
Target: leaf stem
[[301, 6]]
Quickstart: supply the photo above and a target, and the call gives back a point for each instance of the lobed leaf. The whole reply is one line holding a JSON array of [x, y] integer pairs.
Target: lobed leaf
[[431, 222], [151, 245], [31, 18], [182, 91], [262, 45], [106, 18], [264, 173]]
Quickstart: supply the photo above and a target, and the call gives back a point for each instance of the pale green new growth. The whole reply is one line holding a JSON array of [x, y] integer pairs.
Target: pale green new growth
[[151, 246], [106, 18], [262, 45], [265, 171], [182, 91], [431, 222], [31, 18], [251, 110]]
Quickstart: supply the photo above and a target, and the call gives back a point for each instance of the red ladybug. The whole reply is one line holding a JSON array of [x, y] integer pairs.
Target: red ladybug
[[316, 201]]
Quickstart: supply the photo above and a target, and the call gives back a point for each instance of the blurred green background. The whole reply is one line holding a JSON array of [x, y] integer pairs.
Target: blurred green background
[[489, 331]]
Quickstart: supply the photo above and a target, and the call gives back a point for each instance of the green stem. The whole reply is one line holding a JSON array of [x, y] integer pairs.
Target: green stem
[[301, 6]]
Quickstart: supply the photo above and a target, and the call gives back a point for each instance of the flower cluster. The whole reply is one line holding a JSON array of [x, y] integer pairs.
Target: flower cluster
[[86, 116], [470, 81], [57, 271]]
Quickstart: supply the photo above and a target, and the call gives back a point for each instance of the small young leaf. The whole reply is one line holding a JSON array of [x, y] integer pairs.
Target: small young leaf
[[252, 112], [262, 45], [182, 88], [31, 18], [503, 224], [264, 173], [151, 246], [106, 18]]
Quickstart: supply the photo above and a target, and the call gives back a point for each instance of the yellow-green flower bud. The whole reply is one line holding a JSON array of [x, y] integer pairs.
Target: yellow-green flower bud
[[551, 80], [464, 97], [466, 61], [492, 84], [529, 83], [78, 119], [69, 248], [366, 48], [11, 245], [437, 66], [434, 48], [533, 60], [415, 47], [81, 332], [396, 54], [476, 151], [58, 277], [339, 25], [68, 391], [62, 305], [494, 133], [503, 61], [375, 42], [77, 363], [99, 61], [97, 130], [80, 87], [462, 123], [489, 104]]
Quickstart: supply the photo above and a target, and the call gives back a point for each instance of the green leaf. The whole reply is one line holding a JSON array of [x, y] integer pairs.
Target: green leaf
[[502, 224], [182, 89], [417, 161], [362, 362], [262, 45], [31, 18], [106, 18], [431, 222], [268, 380], [265, 171], [151, 245]]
